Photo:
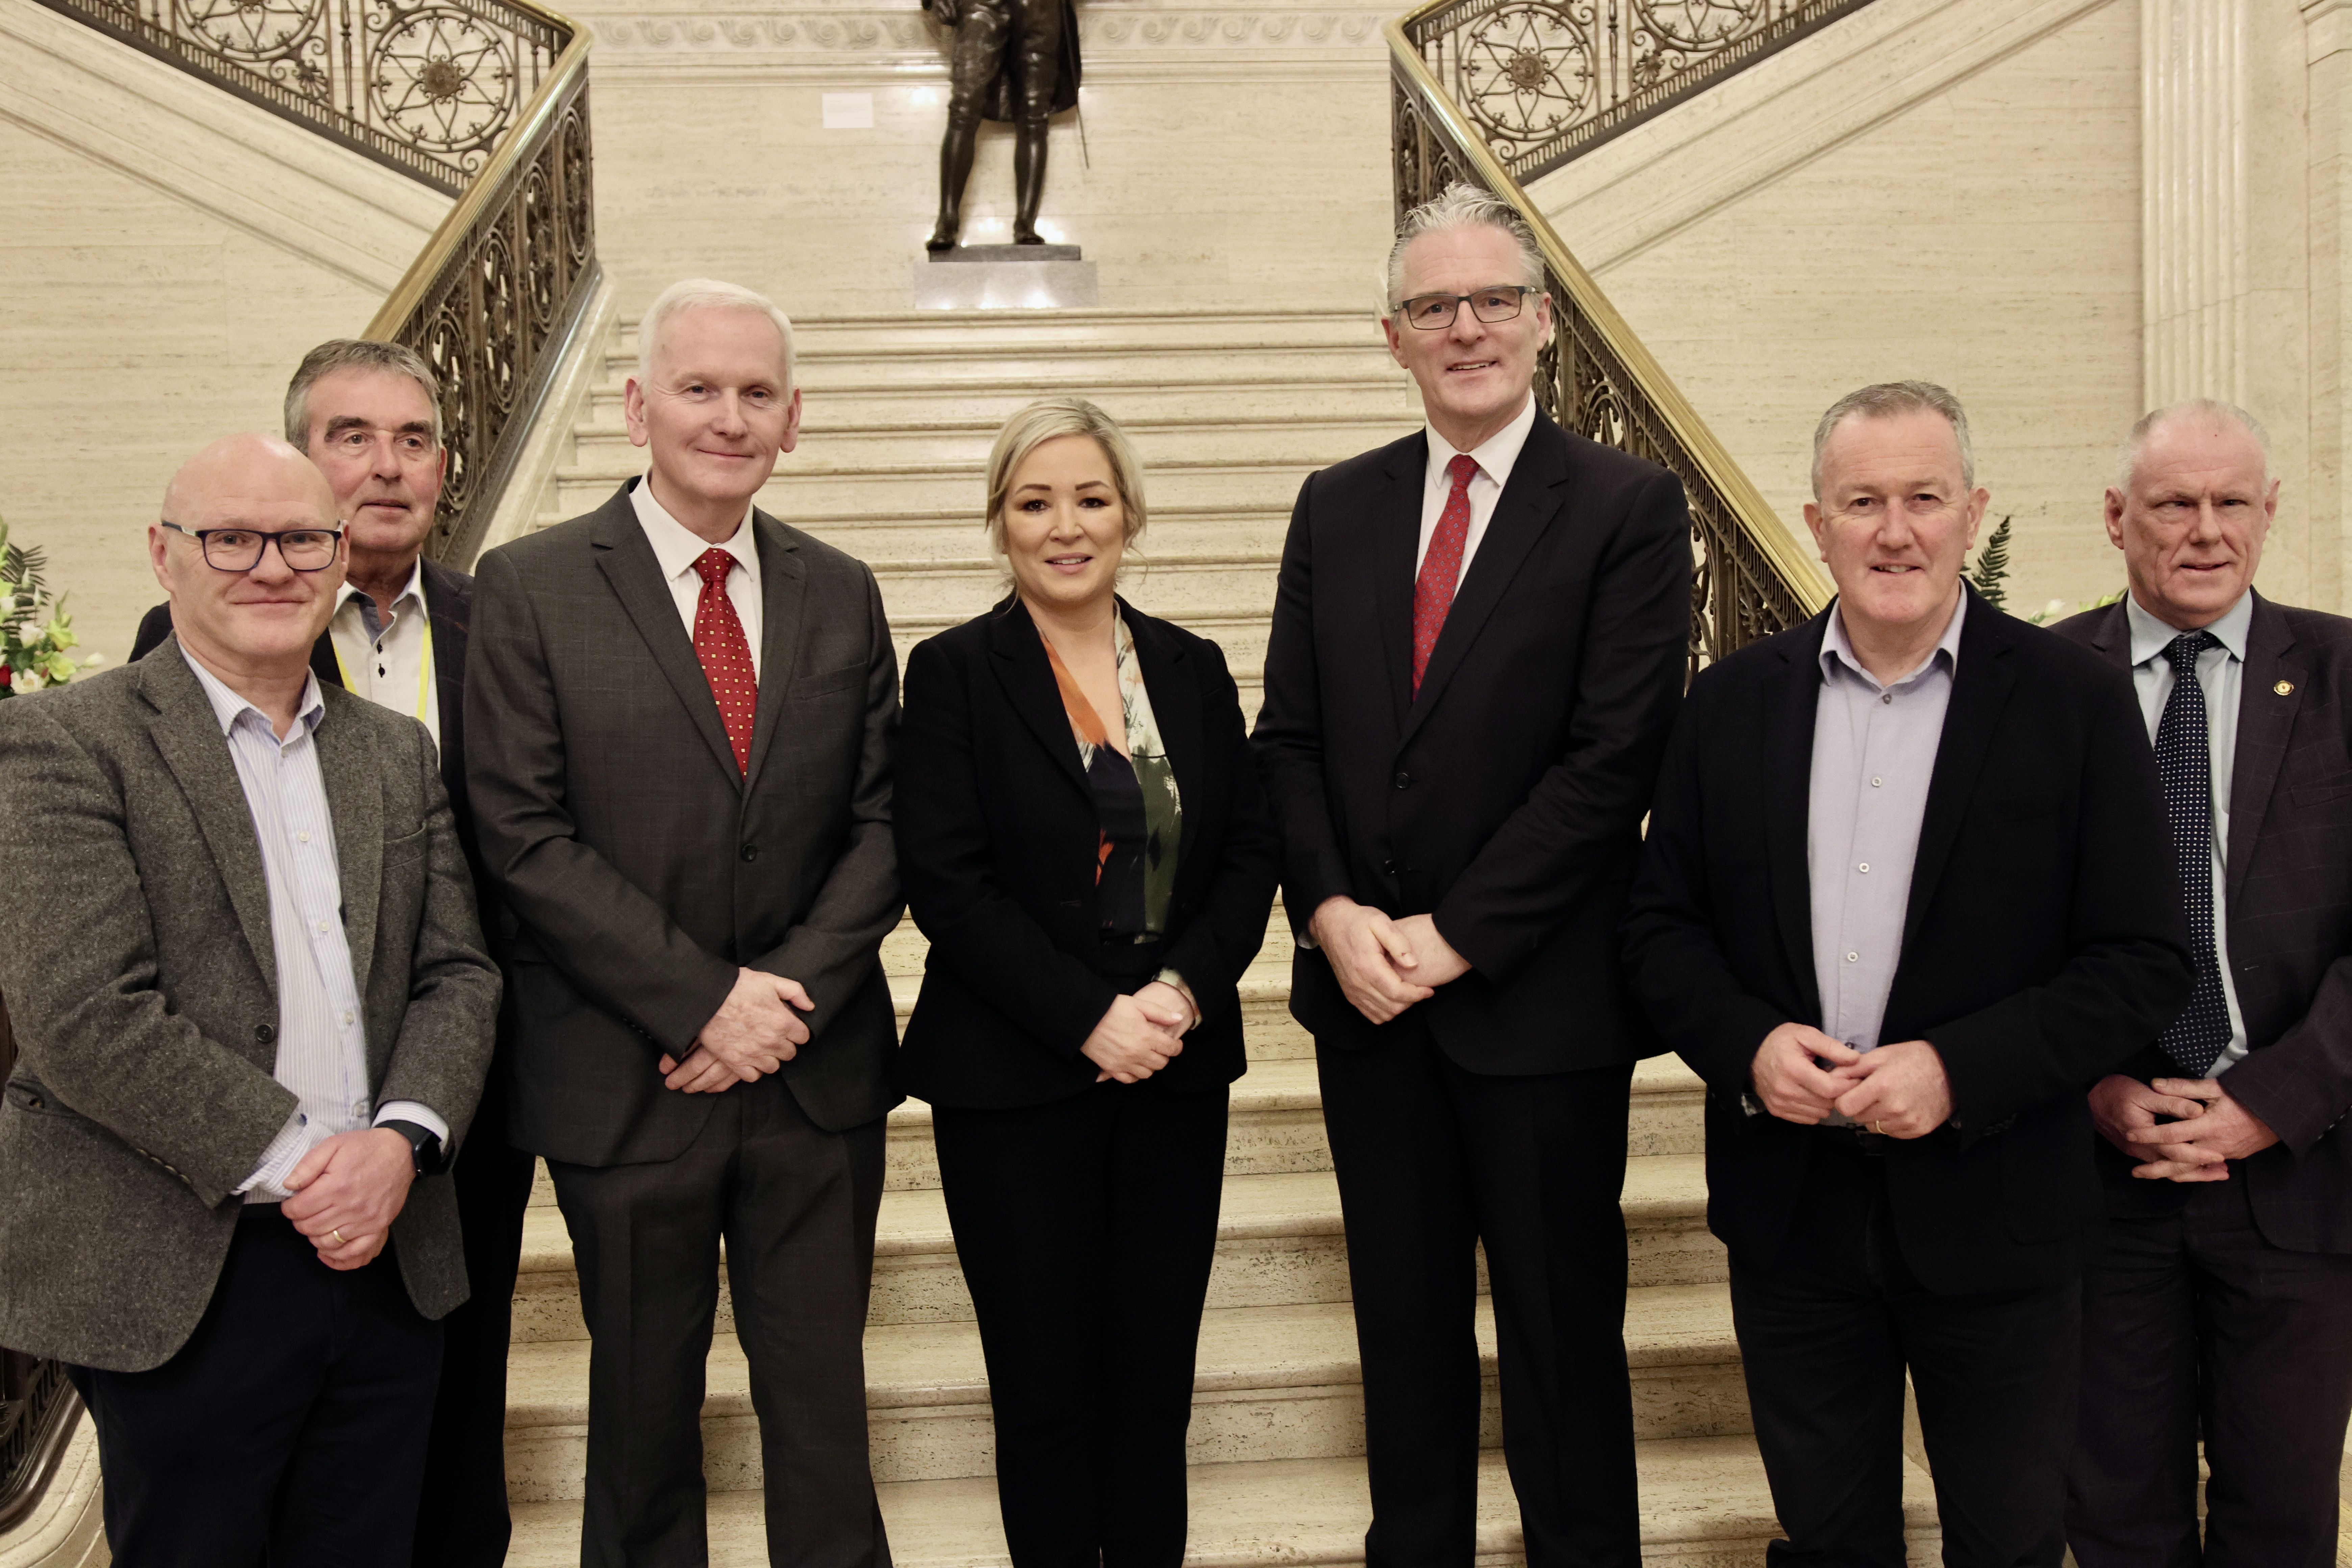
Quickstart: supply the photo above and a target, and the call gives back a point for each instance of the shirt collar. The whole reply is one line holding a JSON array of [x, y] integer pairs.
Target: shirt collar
[[412, 589], [1496, 456], [2150, 636], [228, 707], [1836, 651], [678, 547]]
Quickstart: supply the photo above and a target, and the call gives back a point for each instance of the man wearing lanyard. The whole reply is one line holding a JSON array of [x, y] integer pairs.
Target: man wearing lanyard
[[367, 414]]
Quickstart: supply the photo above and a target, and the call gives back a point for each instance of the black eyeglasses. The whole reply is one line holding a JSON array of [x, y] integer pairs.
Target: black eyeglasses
[[240, 549], [1499, 303]]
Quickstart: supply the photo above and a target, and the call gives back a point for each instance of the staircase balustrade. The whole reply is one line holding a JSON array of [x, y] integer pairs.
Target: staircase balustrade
[[1752, 578], [1543, 81]]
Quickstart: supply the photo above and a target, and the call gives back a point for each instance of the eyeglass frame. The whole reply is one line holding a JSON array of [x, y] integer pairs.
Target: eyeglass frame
[[1519, 290], [203, 536]]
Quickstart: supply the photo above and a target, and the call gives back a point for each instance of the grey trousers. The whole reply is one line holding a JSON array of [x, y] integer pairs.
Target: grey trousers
[[796, 1205]]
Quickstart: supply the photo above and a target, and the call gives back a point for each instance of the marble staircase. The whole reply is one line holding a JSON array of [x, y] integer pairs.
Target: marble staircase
[[1229, 414]]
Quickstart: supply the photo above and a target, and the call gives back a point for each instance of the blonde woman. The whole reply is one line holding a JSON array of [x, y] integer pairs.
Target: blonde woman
[[1082, 837]]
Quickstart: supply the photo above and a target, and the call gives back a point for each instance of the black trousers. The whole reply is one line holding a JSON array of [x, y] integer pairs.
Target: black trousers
[[2192, 1322], [1826, 1335], [1085, 1228], [796, 1206], [462, 1521], [289, 1430], [1431, 1158]]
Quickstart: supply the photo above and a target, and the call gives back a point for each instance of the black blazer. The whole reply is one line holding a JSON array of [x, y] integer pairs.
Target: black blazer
[[1507, 799], [448, 610], [639, 867], [997, 840], [2043, 942], [2289, 903]]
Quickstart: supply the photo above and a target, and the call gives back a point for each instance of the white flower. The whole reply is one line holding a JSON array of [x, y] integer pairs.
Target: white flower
[[29, 680], [93, 661]]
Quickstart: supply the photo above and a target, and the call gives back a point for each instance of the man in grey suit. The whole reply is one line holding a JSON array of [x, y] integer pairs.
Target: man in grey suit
[[680, 713], [254, 1015]]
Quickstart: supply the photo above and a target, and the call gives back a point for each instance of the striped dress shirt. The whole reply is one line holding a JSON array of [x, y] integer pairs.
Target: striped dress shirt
[[321, 1027]]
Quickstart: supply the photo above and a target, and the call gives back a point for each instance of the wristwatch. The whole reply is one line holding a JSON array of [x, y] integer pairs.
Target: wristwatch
[[424, 1144]]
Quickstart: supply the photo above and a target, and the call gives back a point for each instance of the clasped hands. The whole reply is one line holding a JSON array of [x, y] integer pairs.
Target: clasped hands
[[755, 1031], [2208, 1128], [1141, 1034], [1383, 966], [1802, 1075], [348, 1191]]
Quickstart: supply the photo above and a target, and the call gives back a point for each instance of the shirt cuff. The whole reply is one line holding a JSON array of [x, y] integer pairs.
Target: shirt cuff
[[413, 1111], [1170, 977], [294, 1139]]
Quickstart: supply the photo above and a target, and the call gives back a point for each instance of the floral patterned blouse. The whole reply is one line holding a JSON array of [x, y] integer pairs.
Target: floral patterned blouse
[[1136, 799]]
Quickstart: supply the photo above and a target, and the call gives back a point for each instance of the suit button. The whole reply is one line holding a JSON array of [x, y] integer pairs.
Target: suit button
[[264, 1032], [750, 852], [1404, 781], [33, 1101]]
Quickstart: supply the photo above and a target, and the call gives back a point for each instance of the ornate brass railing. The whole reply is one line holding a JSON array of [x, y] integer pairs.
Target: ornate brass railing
[[1596, 378], [1543, 81], [431, 88], [494, 300]]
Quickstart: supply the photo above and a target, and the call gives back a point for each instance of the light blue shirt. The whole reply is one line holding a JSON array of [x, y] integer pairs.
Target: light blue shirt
[[321, 1027], [1873, 755], [2221, 672]]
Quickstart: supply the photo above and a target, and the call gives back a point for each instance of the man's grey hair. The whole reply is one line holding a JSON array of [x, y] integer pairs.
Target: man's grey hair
[[706, 294], [354, 353], [2127, 455], [1888, 398], [1462, 206]]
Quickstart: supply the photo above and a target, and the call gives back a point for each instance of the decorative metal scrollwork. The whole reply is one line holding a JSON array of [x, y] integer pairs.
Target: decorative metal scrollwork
[[1544, 80]]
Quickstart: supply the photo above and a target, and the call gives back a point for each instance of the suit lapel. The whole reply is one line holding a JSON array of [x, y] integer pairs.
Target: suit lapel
[[1791, 697], [2111, 636], [1395, 538], [1175, 692], [783, 588], [352, 772], [627, 561], [1980, 688], [2265, 720], [445, 617], [1527, 507], [1017, 655], [189, 736], [323, 662]]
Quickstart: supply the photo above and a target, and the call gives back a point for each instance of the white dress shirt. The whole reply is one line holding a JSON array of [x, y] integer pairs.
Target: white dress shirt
[[386, 654], [321, 1026], [1495, 457], [677, 548], [2220, 671]]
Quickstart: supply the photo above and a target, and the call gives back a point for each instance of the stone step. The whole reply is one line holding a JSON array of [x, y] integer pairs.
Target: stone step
[[952, 532], [840, 398], [1308, 438], [805, 486], [997, 336], [1271, 1383], [1169, 586], [1279, 1244], [1705, 1504]]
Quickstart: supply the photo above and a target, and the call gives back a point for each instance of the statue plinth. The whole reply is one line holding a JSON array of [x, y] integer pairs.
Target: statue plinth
[[1006, 278]]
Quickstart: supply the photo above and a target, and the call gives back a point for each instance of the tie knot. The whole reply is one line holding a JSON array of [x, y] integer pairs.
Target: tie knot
[[1462, 467], [713, 565], [2181, 651]]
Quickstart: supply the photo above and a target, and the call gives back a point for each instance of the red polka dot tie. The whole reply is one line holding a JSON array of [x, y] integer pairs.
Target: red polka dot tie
[[726, 653], [1433, 590]]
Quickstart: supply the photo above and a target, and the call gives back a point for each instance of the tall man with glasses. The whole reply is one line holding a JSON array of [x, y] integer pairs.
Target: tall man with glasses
[[253, 1016], [2218, 1303], [1896, 908], [367, 414], [1478, 646]]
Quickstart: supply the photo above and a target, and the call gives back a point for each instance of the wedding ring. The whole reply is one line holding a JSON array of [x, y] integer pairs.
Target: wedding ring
[[338, 1234], [1878, 1127]]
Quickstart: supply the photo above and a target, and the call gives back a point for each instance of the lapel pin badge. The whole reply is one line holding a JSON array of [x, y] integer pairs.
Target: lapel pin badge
[[2285, 687]]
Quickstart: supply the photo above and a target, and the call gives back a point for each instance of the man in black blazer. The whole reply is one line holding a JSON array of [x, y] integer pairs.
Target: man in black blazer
[[1478, 644], [692, 842], [368, 415], [2220, 1296], [1896, 908]]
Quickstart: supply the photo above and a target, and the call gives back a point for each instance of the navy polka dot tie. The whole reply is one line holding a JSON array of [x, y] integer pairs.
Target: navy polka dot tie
[[726, 654], [2184, 763]]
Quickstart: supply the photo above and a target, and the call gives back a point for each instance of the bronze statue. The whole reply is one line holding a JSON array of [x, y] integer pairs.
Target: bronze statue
[[1016, 62]]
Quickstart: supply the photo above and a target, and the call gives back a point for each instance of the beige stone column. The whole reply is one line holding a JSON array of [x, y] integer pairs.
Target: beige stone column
[[2194, 87], [2327, 54]]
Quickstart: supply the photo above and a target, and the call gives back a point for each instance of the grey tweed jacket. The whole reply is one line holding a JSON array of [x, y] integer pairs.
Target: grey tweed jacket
[[136, 956]]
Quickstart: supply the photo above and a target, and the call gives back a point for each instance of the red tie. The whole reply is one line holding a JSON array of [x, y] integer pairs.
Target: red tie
[[726, 653], [1433, 591]]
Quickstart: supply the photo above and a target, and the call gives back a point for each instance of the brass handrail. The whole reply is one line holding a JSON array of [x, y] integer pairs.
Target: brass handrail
[[1599, 379]]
